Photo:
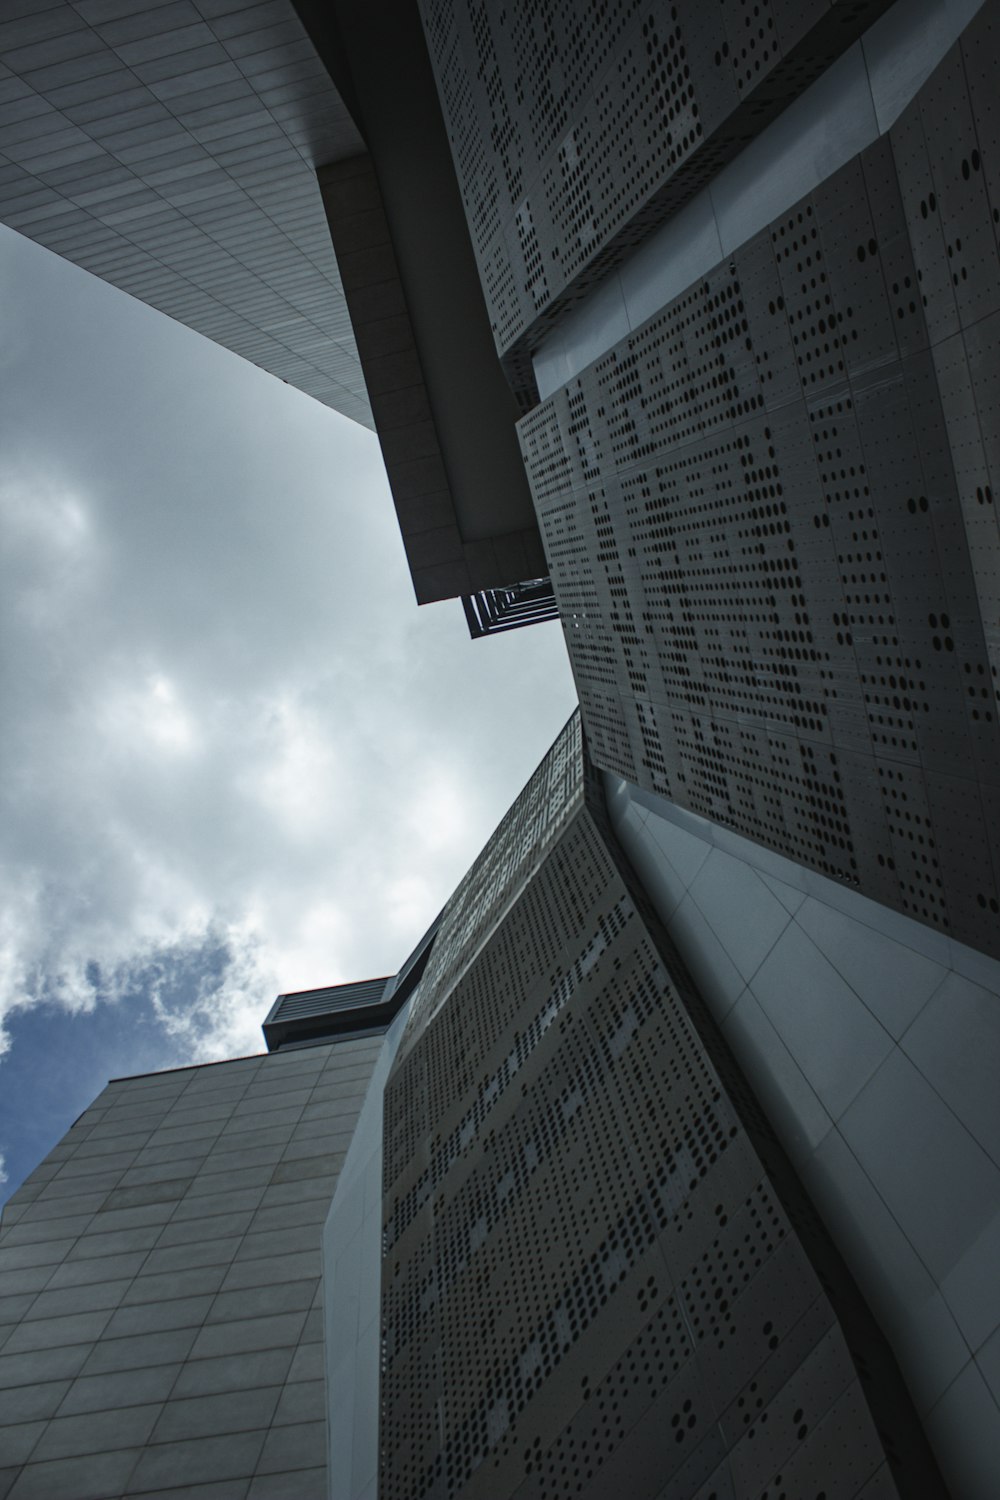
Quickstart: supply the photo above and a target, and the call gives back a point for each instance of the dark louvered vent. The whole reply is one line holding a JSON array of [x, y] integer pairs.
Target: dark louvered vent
[[333, 1010], [334, 997], [310, 1015], [494, 610]]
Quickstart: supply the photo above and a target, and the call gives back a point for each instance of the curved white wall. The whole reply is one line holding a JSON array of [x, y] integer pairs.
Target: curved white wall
[[352, 1287], [873, 1044]]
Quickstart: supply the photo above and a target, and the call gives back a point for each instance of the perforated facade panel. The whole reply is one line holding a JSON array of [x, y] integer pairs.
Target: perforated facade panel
[[769, 515], [574, 129], [590, 1284], [507, 863]]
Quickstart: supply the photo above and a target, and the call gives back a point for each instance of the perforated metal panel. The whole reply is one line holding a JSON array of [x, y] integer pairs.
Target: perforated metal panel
[[574, 129], [589, 1282], [505, 866], [770, 524]]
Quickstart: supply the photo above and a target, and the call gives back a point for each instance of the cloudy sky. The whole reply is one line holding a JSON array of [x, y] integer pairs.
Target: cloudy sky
[[235, 757]]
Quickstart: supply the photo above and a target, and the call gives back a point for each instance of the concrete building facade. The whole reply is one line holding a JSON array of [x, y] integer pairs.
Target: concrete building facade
[[277, 177], [742, 269], [171, 150], [567, 1250], [160, 1285], [763, 458], [598, 1272], [734, 271]]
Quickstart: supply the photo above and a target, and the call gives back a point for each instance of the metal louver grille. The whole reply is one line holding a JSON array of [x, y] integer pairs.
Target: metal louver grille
[[493, 610], [309, 1015], [332, 997]]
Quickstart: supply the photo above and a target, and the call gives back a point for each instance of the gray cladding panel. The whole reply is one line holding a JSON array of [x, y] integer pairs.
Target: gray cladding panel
[[517, 847], [461, 524], [770, 522], [574, 131], [589, 1284], [172, 151], [168, 1317]]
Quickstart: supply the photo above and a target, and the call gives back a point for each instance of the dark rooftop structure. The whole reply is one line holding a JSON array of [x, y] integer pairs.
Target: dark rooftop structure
[[494, 610], [336, 1011]]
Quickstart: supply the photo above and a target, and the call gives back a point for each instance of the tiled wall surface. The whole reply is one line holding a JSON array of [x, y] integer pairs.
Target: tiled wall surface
[[171, 149], [874, 1046], [160, 1318]]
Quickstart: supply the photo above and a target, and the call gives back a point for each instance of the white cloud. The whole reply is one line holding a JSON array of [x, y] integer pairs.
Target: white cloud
[[145, 715], [231, 738], [294, 778]]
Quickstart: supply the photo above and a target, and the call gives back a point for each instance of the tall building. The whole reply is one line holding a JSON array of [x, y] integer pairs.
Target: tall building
[[598, 1273], [160, 1276], [200, 155], [761, 456], [161, 1308], [564, 1253], [741, 267], [727, 278], [171, 150]]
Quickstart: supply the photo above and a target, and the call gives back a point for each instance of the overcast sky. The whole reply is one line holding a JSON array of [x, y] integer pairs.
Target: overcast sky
[[235, 758]]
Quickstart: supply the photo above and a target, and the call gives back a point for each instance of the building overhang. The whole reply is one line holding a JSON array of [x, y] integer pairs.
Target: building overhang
[[443, 410]]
